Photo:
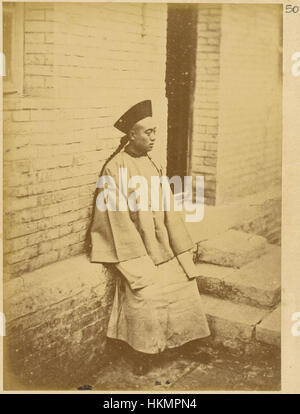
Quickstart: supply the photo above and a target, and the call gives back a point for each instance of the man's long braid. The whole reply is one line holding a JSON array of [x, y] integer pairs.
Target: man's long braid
[[123, 141], [88, 243]]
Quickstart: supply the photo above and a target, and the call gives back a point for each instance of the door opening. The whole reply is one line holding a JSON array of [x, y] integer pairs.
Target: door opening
[[180, 83]]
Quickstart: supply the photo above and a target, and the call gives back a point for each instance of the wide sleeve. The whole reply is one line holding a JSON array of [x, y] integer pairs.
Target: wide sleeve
[[179, 238], [186, 262], [139, 273], [114, 237]]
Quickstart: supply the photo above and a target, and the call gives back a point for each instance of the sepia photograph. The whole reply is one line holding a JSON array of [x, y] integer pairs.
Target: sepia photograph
[[142, 172]]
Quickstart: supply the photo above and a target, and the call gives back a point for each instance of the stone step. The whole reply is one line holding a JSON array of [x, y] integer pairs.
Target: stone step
[[236, 325], [269, 330], [232, 248], [257, 283]]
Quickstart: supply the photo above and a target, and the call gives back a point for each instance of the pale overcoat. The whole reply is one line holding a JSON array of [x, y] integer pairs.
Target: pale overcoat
[[157, 304]]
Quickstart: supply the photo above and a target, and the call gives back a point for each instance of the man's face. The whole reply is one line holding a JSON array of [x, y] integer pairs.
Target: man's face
[[143, 135]]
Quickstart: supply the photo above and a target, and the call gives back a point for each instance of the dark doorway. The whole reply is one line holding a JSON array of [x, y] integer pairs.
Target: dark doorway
[[180, 82]]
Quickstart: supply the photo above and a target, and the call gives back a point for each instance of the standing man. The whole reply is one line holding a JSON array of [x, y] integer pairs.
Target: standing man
[[157, 303]]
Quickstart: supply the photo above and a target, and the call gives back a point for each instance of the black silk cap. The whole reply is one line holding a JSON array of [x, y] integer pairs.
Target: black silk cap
[[135, 114]]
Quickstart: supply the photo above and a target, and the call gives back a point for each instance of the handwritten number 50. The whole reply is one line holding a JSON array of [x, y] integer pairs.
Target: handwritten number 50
[[291, 9]]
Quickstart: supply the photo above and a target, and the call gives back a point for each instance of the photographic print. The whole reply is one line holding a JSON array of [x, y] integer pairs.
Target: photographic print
[[142, 181]]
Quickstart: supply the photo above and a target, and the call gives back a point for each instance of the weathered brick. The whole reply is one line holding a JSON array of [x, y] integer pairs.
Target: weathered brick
[[35, 44], [35, 238], [13, 270], [35, 14], [15, 204], [34, 59], [66, 240], [34, 38], [207, 121], [210, 161], [16, 191], [49, 38], [42, 260], [79, 225], [65, 218], [213, 41], [45, 223], [50, 211], [64, 195], [64, 230], [45, 247], [212, 129], [15, 244], [53, 162], [44, 70], [49, 15], [21, 229], [66, 206], [206, 113], [45, 199], [22, 255], [214, 26], [38, 27], [29, 214]]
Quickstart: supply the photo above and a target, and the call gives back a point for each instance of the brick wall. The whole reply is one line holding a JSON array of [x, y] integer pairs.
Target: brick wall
[[249, 151], [56, 325], [84, 64], [206, 102], [267, 223], [236, 141]]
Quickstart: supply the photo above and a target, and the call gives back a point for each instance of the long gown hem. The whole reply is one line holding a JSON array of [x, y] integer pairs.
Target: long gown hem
[[185, 341]]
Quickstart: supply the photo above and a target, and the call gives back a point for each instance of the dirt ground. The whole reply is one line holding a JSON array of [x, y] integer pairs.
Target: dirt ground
[[177, 371]]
